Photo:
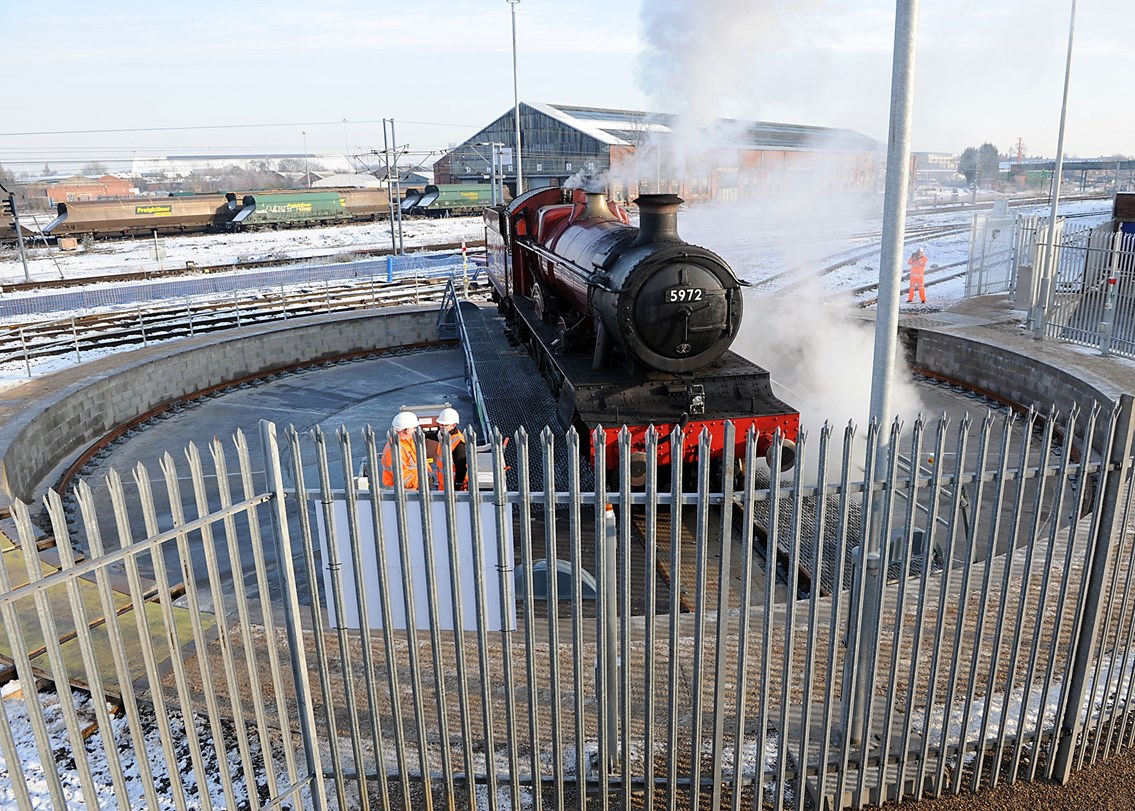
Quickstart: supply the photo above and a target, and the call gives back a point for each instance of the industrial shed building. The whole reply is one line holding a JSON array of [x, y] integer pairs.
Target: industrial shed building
[[647, 152]]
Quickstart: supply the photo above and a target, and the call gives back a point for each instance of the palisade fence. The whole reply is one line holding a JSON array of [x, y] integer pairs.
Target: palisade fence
[[1091, 299], [977, 626]]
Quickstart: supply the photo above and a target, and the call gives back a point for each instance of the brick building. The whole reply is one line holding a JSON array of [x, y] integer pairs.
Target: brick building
[[644, 152]]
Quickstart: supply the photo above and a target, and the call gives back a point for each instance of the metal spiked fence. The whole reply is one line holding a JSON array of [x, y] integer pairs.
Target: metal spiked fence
[[340, 644]]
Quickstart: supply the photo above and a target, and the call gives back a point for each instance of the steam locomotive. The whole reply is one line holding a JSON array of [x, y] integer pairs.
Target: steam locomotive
[[630, 326]]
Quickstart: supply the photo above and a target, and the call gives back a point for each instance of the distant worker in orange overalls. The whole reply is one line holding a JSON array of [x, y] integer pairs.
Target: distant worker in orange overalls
[[448, 431], [917, 264], [405, 423]]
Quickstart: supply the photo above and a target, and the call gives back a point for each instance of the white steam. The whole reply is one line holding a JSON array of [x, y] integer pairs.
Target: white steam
[[700, 53], [588, 180], [805, 204], [822, 359]]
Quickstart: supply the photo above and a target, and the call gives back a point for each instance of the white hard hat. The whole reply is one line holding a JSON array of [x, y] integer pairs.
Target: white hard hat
[[448, 416], [403, 420]]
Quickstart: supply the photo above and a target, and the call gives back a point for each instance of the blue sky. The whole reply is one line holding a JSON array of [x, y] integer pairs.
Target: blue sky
[[221, 77]]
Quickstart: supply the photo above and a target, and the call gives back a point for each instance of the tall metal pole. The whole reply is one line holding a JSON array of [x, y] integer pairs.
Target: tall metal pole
[[395, 203], [1048, 285], [493, 171], [886, 340], [346, 146], [19, 235], [516, 105], [397, 183]]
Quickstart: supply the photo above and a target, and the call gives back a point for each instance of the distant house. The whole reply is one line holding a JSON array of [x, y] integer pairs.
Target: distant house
[[936, 169], [305, 179], [638, 153], [375, 175], [80, 187]]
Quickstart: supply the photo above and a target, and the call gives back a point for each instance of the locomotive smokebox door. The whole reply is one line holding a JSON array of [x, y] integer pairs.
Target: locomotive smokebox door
[[681, 311]]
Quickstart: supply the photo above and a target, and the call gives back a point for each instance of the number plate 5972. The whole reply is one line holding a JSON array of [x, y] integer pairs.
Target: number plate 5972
[[684, 294]]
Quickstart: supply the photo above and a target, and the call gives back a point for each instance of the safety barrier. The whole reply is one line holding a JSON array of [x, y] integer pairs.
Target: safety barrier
[[377, 647], [1090, 299]]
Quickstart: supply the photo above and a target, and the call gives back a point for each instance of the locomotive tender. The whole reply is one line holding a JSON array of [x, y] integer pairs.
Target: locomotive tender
[[630, 326]]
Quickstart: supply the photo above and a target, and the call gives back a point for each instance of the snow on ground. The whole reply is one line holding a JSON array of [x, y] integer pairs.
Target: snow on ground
[[34, 773], [128, 256], [755, 243]]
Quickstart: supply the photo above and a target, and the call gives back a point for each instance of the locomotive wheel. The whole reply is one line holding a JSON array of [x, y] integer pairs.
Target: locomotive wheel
[[538, 302], [544, 304]]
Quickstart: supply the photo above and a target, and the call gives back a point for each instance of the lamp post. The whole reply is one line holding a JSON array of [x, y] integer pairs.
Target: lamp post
[[516, 103], [867, 592], [1048, 282]]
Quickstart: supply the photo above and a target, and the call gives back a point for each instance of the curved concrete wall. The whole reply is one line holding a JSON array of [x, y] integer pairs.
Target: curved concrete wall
[[1014, 375], [56, 416], [45, 422]]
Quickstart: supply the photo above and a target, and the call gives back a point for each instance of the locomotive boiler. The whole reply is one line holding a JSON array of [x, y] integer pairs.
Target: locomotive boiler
[[630, 326]]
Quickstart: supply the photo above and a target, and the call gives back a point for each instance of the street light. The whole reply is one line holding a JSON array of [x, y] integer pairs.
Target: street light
[[867, 592], [494, 157], [516, 103], [1043, 307]]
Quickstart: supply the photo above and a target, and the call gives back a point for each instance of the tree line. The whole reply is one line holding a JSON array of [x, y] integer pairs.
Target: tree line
[[980, 164]]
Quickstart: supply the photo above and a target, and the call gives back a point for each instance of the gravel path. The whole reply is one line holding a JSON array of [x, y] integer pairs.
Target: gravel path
[[1108, 785]]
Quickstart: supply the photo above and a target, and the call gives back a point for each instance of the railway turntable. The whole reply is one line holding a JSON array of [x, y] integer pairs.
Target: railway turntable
[[514, 396]]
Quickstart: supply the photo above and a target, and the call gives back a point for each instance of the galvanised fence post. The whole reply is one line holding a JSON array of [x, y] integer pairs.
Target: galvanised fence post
[[290, 598], [1119, 459]]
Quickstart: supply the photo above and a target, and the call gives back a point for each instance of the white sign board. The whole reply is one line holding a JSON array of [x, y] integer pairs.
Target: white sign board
[[415, 547]]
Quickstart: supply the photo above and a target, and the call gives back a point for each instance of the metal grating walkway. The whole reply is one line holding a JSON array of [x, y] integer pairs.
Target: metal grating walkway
[[516, 396]]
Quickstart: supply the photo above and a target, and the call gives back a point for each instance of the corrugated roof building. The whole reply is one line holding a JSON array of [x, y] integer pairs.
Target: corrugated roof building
[[650, 152]]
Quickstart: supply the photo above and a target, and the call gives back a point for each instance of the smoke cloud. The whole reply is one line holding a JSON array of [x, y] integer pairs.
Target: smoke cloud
[[700, 58], [588, 180], [700, 54]]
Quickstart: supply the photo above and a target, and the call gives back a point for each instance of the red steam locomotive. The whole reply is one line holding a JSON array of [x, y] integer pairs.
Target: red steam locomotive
[[630, 326]]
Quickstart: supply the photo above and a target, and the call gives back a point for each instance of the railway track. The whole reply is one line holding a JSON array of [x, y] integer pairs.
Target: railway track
[[798, 568], [101, 332], [229, 267], [939, 274], [795, 278]]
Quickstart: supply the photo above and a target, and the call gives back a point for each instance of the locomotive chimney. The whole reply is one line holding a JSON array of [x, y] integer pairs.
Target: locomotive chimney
[[596, 207], [657, 218]]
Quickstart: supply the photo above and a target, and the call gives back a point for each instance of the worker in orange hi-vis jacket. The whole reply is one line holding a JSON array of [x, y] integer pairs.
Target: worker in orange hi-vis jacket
[[917, 264], [404, 425], [449, 433]]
